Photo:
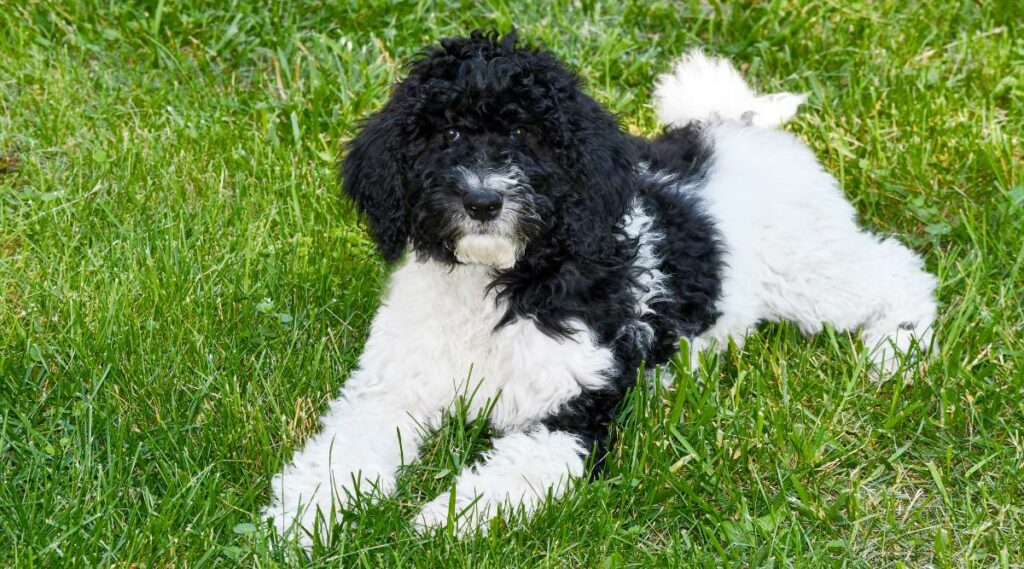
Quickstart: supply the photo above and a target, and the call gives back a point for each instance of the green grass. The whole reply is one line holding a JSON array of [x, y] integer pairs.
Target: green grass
[[182, 288]]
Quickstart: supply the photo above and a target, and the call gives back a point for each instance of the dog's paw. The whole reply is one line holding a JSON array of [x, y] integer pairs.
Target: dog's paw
[[306, 504], [297, 524], [467, 516], [432, 516], [901, 352], [303, 508]]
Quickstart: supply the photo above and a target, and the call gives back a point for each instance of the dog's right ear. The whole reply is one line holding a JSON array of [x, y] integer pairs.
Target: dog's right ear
[[372, 177]]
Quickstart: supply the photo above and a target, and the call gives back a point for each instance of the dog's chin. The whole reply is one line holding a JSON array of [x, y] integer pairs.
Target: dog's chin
[[498, 251]]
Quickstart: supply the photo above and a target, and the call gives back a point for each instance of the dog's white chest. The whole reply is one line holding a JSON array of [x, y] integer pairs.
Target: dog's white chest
[[442, 321]]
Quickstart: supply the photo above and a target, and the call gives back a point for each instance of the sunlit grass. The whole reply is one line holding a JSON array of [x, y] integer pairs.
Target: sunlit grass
[[182, 288]]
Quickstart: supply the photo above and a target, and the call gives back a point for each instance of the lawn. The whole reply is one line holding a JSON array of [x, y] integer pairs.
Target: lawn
[[183, 288]]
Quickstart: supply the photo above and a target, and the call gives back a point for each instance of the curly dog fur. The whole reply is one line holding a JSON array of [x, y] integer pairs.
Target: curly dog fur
[[543, 255]]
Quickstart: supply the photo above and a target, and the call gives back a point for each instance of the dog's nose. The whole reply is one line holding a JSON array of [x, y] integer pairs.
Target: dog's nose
[[482, 205]]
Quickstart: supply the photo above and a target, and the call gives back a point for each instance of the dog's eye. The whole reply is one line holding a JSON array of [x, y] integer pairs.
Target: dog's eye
[[519, 133], [451, 134]]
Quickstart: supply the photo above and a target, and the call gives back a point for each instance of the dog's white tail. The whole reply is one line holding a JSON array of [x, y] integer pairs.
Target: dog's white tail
[[700, 88]]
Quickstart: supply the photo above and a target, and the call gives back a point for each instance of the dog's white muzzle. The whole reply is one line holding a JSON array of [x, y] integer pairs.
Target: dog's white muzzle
[[496, 251]]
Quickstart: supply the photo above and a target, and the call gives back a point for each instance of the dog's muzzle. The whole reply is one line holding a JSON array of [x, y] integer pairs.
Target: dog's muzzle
[[488, 236]]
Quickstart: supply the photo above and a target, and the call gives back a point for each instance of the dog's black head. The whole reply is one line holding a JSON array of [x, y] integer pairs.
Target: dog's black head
[[488, 152]]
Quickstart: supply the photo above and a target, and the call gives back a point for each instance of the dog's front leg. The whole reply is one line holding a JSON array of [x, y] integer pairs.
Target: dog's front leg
[[554, 409], [372, 429]]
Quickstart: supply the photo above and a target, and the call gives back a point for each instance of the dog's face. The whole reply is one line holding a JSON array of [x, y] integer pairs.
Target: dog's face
[[487, 151]]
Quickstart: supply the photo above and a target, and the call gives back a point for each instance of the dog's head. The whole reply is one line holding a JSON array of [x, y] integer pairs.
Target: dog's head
[[486, 152]]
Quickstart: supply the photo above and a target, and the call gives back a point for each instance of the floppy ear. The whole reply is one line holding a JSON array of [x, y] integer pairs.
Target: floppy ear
[[373, 178], [603, 161]]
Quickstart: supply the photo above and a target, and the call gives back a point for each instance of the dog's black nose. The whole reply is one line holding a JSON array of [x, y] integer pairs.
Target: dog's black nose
[[482, 205]]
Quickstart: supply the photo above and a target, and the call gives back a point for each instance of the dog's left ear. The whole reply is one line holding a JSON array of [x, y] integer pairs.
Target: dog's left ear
[[603, 161], [372, 177]]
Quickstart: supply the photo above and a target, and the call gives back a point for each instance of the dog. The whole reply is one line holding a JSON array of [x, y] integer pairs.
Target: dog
[[542, 256]]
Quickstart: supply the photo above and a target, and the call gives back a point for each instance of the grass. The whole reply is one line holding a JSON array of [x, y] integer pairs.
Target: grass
[[182, 288]]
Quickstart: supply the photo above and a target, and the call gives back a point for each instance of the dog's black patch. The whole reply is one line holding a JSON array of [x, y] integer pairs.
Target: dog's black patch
[[690, 255]]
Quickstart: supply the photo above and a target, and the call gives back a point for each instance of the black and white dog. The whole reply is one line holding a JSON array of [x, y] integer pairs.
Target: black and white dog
[[552, 254]]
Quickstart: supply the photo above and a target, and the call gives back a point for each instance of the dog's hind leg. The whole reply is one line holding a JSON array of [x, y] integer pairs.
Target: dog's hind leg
[[795, 252], [862, 282]]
